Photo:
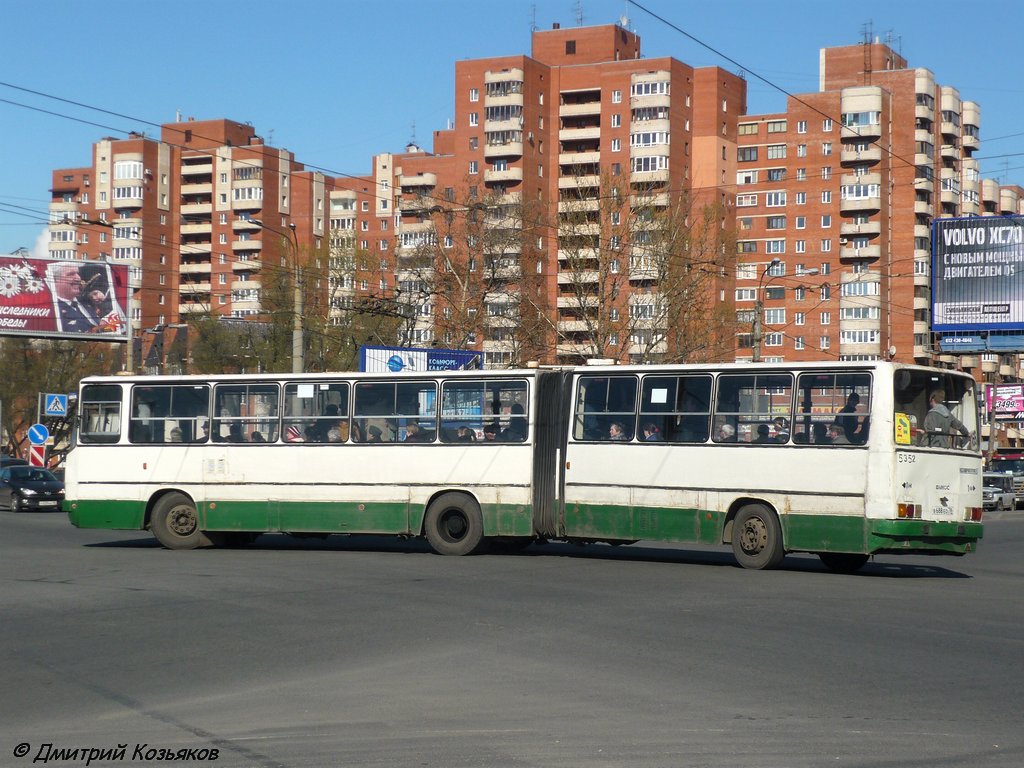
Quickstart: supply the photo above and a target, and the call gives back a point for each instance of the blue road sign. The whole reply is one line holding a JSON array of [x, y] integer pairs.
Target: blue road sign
[[38, 434], [56, 405]]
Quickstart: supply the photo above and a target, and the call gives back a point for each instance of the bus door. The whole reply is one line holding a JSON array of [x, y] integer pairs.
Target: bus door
[[552, 403]]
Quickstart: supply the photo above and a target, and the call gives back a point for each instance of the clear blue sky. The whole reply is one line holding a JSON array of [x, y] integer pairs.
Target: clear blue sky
[[338, 82]]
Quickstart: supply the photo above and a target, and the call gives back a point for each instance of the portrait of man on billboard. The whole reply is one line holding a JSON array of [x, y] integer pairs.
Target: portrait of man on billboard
[[83, 298]]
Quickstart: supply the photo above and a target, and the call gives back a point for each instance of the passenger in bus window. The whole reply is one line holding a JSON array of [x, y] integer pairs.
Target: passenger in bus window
[[847, 417], [939, 423], [413, 434], [781, 429], [726, 433], [257, 437], [176, 435], [651, 432], [837, 433], [515, 432], [617, 431], [464, 435], [820, 432], [373, 435], [490, 433], [764, 434]]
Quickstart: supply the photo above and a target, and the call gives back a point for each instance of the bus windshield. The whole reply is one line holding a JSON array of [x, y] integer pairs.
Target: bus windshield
[[935, 409]]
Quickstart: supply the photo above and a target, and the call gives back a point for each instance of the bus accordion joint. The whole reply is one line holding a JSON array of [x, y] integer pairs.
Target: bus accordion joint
[[908, 511]]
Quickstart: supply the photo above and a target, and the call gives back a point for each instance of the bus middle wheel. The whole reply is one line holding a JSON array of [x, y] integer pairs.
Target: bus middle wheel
[[757, 538], [453, 525], [175, 523]]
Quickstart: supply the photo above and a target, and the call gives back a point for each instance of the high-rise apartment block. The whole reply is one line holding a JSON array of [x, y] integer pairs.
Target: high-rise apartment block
[[583, 201]]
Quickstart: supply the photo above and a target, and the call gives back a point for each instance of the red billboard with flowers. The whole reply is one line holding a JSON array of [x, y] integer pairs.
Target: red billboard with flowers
[[85, 300]]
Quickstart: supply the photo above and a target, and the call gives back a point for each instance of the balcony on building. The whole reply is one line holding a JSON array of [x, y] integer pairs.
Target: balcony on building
[[197, 165], [869, 156], [989, 365], [242, 244], [580, 181], [512, 173], [867, 229], [244, 223], [419, 181], [575, 103], [245, 262], [651, 80], [949, 151], [414, 204], [649, 177], [579, 205], [848, 253], [196, 209], [576, 254], [577, 302], [1009, 201], [203, 188], [1007, 371], [968, 362], [193, 289], [863, 132], [195, 227], [506, 149], [589, 157], [577, 349], [578, 277], [587, 133], [194, 268], [848, 206], [200, 248]]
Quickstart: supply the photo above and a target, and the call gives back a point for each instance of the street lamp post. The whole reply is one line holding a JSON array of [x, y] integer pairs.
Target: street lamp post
[[762, 286], [298, 354], [759, 307]]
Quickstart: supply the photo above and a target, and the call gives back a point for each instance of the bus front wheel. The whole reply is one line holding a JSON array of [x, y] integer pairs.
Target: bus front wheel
[[175, 523], [453, 525], [757, 538]]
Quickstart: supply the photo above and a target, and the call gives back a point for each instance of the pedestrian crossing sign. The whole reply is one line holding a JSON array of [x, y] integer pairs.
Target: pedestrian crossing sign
[[56, 405]]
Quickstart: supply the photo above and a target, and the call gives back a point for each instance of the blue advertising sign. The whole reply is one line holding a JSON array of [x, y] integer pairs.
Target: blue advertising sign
[[978, 274], [411, 360]]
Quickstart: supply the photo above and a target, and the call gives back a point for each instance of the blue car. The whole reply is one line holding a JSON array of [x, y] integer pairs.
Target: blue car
[[24, 489]]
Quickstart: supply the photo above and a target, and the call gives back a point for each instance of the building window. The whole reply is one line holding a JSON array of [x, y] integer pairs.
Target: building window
[[826, 173], [474, 119], [747, 154], [776, 151], [616, 120], [776, 222], [474, 94], [800, 246], [826, 196], [826, 148], [801, 222], [616, 145], [775, 199], [801, 150], [826, 125], [776, 126], [616, 97], [826, 221]]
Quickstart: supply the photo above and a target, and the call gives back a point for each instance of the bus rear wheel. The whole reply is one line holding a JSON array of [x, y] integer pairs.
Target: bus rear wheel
[[175, 523], [757, 538], [453, 525], [843, 562]]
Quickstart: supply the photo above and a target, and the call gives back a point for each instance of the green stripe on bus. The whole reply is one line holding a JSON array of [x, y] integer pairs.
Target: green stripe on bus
[[300, 516]]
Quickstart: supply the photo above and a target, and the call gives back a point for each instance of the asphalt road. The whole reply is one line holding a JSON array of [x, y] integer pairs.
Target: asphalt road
[[364, 652]]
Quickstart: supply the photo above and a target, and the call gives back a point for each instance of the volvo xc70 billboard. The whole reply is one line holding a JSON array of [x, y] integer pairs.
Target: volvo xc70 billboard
[[63, 299], [978, 274]]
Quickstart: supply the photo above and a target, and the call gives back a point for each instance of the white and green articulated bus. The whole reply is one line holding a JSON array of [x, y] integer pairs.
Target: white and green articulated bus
[[843, 460]]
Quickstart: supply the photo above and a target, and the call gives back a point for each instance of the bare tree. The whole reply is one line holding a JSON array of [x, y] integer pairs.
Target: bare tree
[[641, 274]]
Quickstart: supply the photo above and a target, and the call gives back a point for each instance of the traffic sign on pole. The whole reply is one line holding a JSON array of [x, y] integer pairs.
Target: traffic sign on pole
[[37, 434], [37, 455], [56, 405]]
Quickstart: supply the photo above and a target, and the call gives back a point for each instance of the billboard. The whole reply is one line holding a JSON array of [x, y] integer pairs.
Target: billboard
[[978, 274], [1005, 402], [63, 299], [411, 360]]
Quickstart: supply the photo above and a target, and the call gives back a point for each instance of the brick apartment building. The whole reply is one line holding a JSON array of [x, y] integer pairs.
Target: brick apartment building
[[526, 231]]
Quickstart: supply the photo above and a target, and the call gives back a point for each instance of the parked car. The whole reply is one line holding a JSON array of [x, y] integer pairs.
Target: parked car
[[24, 488], [997, 491], [11, 461]]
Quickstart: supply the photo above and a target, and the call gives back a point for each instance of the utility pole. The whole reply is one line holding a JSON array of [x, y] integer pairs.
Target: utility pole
[[292, 240]]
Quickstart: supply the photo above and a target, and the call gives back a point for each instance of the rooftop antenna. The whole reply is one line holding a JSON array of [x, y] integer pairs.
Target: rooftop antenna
[[579, 13], [412, 140], [866, 32], [533, 18]]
